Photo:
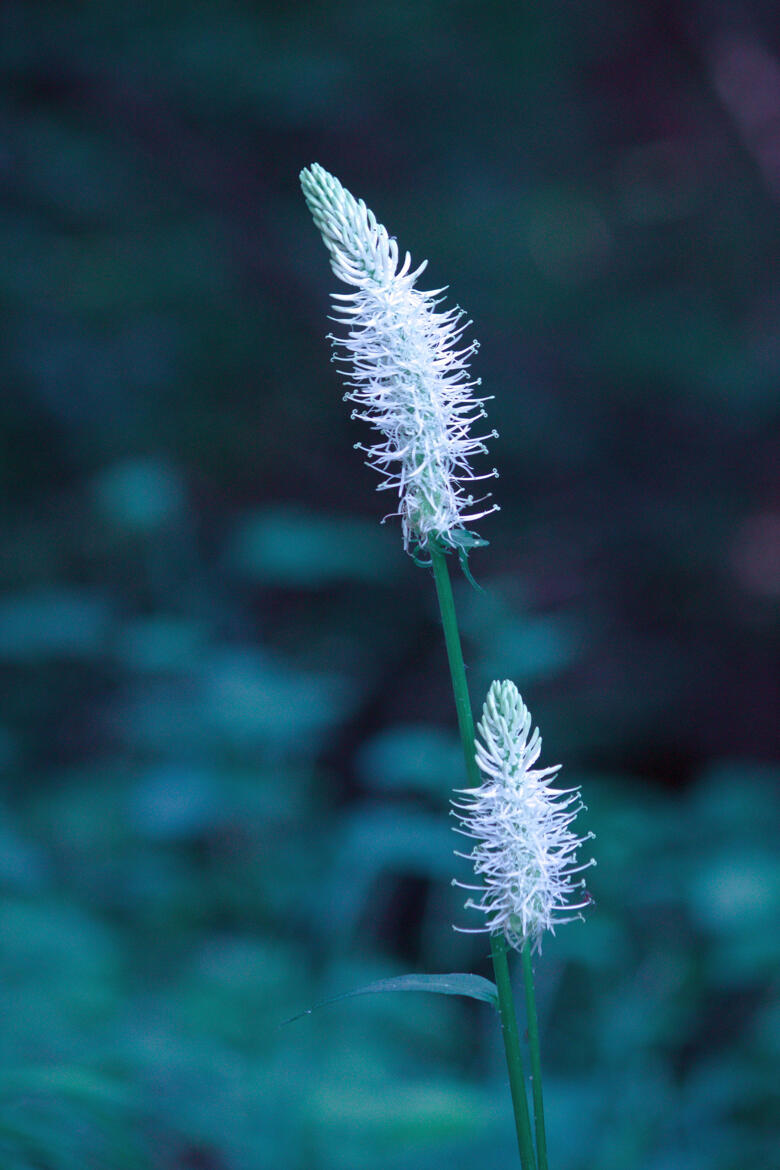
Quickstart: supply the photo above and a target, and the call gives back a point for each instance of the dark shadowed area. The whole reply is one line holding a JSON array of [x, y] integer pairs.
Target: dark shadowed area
[[227, 740]]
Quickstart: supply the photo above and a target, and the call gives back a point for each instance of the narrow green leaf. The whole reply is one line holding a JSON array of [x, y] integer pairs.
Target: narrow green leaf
[[472, 986]]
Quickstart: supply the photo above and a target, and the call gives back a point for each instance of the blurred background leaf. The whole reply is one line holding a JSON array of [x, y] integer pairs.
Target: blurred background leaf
[[227, 741]]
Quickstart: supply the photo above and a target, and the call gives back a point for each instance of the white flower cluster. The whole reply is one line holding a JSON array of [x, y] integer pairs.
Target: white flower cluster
[[407, 377], [525, 850]]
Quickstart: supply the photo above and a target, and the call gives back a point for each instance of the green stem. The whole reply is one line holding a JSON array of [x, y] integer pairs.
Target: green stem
[[514, 1058], [536, 1064], [460, 687], [506, 1007]]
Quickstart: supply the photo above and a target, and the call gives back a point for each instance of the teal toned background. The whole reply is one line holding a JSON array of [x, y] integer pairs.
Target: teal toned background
[[227, 740]]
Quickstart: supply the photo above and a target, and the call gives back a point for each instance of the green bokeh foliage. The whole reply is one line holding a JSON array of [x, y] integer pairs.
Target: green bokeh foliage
[[226, 739]]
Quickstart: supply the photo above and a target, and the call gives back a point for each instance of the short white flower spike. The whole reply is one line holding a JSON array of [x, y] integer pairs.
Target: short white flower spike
[[525, 850], [407, 377]]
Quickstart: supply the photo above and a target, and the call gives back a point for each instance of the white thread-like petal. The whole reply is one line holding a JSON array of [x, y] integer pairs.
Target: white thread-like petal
[[407, 378], [525, 853]]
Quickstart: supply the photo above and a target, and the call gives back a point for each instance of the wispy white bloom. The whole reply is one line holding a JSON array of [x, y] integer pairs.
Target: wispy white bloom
[[525, 850], [406, 374]]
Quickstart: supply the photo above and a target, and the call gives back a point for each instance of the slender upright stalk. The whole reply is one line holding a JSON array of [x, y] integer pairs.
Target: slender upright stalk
[[506, 1005], [514, 1058], [536, 1064]]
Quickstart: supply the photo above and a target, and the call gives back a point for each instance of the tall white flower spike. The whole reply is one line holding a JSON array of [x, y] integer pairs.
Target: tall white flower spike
[[407, 377], [525, 850]]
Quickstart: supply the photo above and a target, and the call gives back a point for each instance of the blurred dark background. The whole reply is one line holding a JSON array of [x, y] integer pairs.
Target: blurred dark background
[[227, 739]]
